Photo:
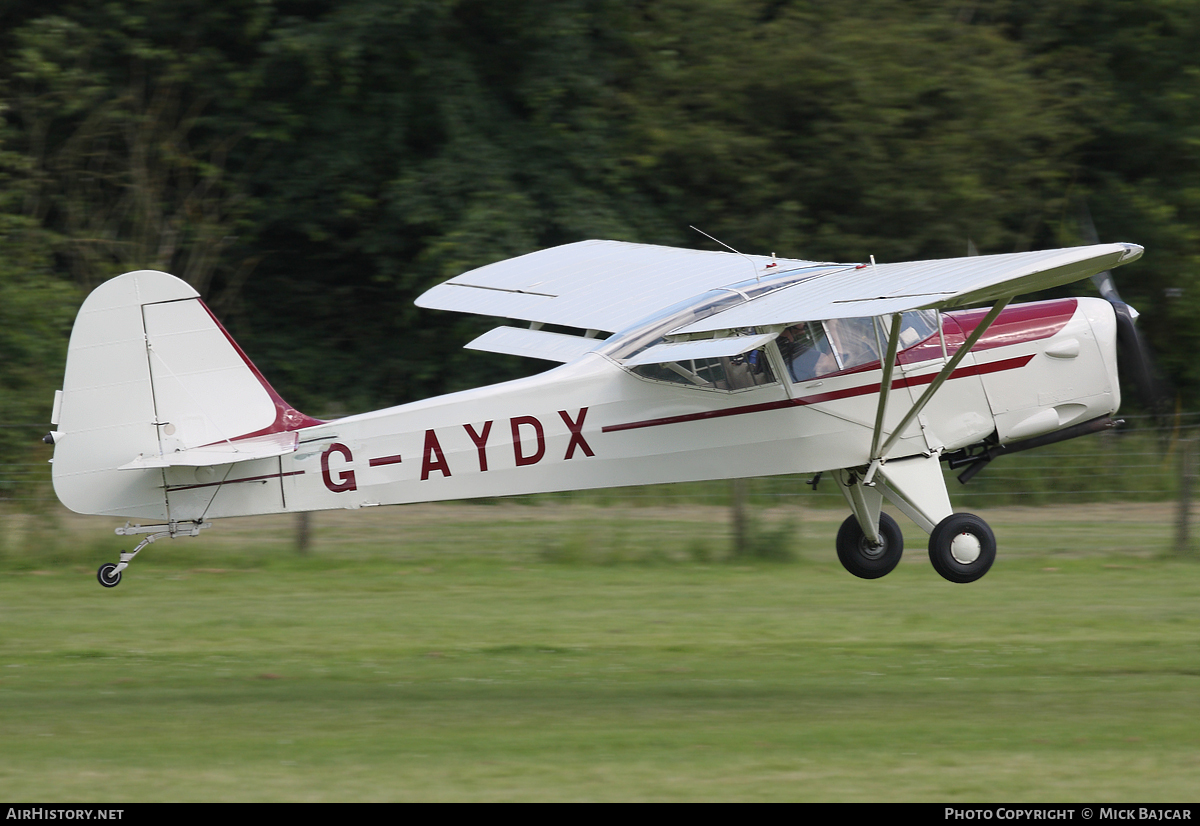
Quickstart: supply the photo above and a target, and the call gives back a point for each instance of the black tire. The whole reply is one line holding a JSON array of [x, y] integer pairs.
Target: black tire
[[972, 561], [860, 557], [107, 577]]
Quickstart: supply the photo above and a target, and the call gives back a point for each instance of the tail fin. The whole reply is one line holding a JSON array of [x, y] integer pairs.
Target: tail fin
[[152, 379]]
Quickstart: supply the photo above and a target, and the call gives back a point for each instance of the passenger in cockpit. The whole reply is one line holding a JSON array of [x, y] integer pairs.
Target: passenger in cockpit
[[854, 340], [806, 351]]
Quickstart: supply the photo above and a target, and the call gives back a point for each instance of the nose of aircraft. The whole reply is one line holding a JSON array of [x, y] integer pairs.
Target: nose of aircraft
[[1136, 361]]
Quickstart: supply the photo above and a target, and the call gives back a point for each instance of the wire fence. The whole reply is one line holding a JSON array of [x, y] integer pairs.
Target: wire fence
[[1143, 460], [1127, 490], [25, 480]]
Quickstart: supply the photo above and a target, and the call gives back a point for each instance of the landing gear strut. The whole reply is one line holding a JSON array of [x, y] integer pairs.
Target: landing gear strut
[[961, 545], [109, 574]]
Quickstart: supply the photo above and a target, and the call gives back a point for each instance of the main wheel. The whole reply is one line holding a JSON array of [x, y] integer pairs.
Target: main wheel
[[108, 575], [962, 547], [865, 559]]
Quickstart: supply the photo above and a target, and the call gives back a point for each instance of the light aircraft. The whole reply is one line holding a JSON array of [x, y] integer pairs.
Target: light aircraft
[[676, 365]]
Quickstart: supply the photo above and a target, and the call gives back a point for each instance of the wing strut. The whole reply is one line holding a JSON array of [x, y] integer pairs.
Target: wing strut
[[885, 386], [877, 457]]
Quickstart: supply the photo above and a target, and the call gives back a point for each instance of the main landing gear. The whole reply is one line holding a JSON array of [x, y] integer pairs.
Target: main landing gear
[[961, 545], [866, 558], [109, 574]]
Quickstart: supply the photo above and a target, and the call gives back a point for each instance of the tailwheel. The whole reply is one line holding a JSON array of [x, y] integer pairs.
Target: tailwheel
[[864, 558], [108, 575], [962, 547]]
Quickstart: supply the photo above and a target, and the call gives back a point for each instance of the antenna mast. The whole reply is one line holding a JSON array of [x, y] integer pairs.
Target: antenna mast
[[757, 276]]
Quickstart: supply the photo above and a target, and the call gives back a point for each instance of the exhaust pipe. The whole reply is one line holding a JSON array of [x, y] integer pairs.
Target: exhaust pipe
[[976, 462]]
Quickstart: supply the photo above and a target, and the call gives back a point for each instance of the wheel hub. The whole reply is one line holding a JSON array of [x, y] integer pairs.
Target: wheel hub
[[872, 550], [965, 548]]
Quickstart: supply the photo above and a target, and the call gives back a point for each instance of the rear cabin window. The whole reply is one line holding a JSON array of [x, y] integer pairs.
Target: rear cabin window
[[732, 373], [807, 351]]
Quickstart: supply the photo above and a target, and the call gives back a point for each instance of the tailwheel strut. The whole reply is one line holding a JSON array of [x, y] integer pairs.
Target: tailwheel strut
[[109, 574]]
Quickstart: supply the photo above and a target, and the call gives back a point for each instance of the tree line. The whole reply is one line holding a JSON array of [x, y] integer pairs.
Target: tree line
[[311, 166]]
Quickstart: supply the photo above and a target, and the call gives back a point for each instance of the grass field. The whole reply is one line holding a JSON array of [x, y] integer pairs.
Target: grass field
[[573, 652]]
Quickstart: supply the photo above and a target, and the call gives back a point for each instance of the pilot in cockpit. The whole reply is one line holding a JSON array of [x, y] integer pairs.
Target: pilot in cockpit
[[817, 348], [806, 351]]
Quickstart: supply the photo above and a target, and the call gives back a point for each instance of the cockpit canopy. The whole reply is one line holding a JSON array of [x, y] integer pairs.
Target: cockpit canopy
[[807, 350]]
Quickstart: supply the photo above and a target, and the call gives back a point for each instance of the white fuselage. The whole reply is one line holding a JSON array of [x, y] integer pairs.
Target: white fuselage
[[593, 423]]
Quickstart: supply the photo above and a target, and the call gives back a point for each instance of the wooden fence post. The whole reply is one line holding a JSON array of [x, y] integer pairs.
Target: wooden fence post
[[1187, 472], [303, 534], [741, 540]]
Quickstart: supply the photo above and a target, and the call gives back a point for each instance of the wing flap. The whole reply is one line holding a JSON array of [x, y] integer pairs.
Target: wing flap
[[470, 298], [539, 344]]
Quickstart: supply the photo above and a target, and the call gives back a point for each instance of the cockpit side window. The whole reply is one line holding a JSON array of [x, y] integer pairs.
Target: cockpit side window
[[817, 348], [855, 341], [806, 351]]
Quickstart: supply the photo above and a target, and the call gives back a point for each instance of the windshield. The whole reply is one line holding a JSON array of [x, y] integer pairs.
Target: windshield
[[654, 328]]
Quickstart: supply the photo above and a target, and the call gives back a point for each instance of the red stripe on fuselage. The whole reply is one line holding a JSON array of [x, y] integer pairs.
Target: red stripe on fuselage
[[849, 392]]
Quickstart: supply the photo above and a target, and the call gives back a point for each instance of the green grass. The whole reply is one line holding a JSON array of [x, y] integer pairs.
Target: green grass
[[516, 652]]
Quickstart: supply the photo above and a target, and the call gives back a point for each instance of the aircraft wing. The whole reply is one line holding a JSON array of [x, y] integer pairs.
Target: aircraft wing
[[609, 285], [870, 290], [599, 285]]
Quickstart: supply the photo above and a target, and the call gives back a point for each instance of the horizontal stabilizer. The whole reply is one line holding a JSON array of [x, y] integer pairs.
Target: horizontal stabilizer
[[221, 453], [538, 344]]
